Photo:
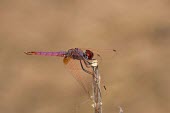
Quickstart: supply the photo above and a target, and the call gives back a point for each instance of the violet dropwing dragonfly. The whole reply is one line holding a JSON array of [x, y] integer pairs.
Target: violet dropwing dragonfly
[[78, 61]]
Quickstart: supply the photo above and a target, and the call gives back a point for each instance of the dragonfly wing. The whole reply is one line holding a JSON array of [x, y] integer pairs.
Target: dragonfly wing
[[100, 54], [84, 79], [105, 56]]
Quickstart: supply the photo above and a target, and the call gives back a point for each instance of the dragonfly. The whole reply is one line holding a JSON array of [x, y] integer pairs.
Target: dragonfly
[[78, 61]]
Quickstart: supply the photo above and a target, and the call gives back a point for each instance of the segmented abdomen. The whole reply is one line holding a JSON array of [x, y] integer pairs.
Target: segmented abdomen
[[60, 53]]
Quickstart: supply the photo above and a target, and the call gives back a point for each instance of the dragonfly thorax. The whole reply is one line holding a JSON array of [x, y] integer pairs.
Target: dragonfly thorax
[[78, 54]]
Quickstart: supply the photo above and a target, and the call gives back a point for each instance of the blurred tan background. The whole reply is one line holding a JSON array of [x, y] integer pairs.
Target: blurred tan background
[[137, 76]]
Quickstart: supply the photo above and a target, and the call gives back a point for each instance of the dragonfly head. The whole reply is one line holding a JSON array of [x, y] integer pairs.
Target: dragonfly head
[[89, 54]]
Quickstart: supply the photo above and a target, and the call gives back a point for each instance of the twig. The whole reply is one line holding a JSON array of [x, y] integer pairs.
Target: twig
[[97, 99], [120, 110]]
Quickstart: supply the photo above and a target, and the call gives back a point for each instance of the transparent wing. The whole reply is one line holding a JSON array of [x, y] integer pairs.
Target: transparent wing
[[102, 54], [83, 78], [105, 59]]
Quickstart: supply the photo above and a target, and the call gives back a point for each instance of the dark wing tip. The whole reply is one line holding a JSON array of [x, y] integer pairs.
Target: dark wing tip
[[114, 50]]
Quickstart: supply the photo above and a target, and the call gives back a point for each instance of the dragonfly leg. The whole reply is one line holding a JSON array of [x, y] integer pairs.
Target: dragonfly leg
[[88, 66], [85, 69], [89, 72]]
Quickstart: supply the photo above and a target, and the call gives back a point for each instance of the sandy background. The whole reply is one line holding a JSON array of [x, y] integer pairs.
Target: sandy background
[[137, 76]]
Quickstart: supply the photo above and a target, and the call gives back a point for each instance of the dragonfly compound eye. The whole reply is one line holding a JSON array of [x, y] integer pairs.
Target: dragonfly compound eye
[[89, 54]]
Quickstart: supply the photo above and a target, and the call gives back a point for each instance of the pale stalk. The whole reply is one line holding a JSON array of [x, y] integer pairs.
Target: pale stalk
[[97, 99]]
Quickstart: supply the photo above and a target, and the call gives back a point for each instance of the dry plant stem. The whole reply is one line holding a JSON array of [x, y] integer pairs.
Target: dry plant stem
[[96, 90]]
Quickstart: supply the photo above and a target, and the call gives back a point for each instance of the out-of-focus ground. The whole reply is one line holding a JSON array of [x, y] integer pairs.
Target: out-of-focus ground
[[138, 75]]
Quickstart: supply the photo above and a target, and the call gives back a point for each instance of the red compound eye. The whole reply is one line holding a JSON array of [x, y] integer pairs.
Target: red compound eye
[[89, 54]]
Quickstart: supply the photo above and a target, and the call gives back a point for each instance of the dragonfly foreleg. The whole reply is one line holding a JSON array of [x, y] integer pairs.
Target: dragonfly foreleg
[[89, 72], [88, 64], [85, 69]]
